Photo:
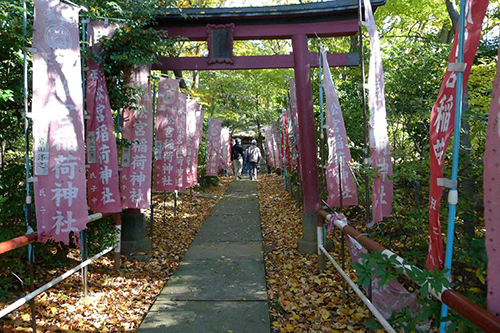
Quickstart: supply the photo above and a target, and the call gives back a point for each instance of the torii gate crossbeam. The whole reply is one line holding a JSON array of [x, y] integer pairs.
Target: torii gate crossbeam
[[296, 22]]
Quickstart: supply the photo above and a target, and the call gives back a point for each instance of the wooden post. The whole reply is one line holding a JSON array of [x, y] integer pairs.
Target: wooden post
[[308, 243]]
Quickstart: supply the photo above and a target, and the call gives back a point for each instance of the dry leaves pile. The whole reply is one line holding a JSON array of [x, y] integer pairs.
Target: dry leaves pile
[[301, 298], [118, 301]]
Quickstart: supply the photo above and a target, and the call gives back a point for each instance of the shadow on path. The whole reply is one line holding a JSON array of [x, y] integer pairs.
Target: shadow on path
[[220, 285]]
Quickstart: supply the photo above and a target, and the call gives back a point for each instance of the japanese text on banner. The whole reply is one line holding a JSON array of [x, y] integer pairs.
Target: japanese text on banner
[[135, 178], [379, 141], [338, 149], [102, 157], [59, 158], [442, 124], [166, 134], [214, 131]]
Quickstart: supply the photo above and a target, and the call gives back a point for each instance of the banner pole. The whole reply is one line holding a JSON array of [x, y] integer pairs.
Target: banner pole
[[83, 233], [366, 161], [175, 203], [283, 131], [151, 205], [321, 119], [453, 194], [28, 208], [290, 162], [342, 240], [164, 207]]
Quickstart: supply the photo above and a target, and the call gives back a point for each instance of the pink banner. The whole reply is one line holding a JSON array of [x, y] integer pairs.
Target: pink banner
[[166, 134], [225, 150], [181, 144], [339, 155], [442, 124], [269, 145], [192, 108], [388, 298], [379, 141], [200, 113], [492, 196], [276, 145], [294, 108], [59, 157], [213, 147], [138, 145], [102, 157], [295, 126]]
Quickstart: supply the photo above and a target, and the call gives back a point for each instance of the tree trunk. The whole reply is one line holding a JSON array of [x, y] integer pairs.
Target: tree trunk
[[453, 13], [2, 155], [178, 75]]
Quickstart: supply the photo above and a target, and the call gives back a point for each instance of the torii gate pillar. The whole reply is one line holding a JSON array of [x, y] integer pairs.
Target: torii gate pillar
[[308, 151]]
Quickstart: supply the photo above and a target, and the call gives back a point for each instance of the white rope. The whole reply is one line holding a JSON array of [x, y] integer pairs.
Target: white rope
[[49, 285], [365, 300]]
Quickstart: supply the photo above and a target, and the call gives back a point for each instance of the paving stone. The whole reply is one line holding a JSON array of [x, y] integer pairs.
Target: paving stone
[[183, 317], [223, 279]]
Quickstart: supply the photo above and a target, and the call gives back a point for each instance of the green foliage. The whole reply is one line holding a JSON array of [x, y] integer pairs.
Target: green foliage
[[101, 234]]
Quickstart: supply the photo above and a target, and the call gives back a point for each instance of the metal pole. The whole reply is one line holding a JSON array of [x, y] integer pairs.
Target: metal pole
[[151, 206], [321, 119], [342, 241], [366, 160], [50, 284], [83, 233], [453, 194], [118, 227], [290, 185], [175, 202], [283, 133], [28, 212], [164, 207], [83, 252]]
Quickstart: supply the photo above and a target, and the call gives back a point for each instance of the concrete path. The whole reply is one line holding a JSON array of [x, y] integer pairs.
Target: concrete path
[[220, 285]]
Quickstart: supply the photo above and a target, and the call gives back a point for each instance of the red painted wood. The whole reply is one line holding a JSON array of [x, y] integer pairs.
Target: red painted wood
[[306, 124], [254, 62], [17, 242], [272, 31]]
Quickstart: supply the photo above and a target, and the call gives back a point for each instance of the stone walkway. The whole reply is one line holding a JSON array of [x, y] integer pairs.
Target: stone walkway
[[220, 285]]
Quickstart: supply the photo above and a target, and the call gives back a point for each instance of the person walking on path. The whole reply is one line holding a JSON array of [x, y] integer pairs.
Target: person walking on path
[[253, 159], [237, 157]]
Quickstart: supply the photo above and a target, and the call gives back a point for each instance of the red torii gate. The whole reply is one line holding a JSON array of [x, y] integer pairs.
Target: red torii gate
[[220, 26]]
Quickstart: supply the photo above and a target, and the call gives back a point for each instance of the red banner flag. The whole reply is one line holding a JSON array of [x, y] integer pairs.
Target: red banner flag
[[492, 196], [294, 111], [380, 152], [269, 144], [225, 150], [200, 113], [276, 145], [59, 157], [102, 156], [339, 153], [166, 134], [137, 152], [181, 144], [213, 147], [442, 123]]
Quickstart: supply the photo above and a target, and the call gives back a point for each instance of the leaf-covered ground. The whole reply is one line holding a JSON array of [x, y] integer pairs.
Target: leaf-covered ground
[[301, 298], [117, 300]]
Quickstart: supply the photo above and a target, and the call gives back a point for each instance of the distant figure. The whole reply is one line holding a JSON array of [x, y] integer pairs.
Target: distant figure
[[245, 160], [237, 157], [253, 159]]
